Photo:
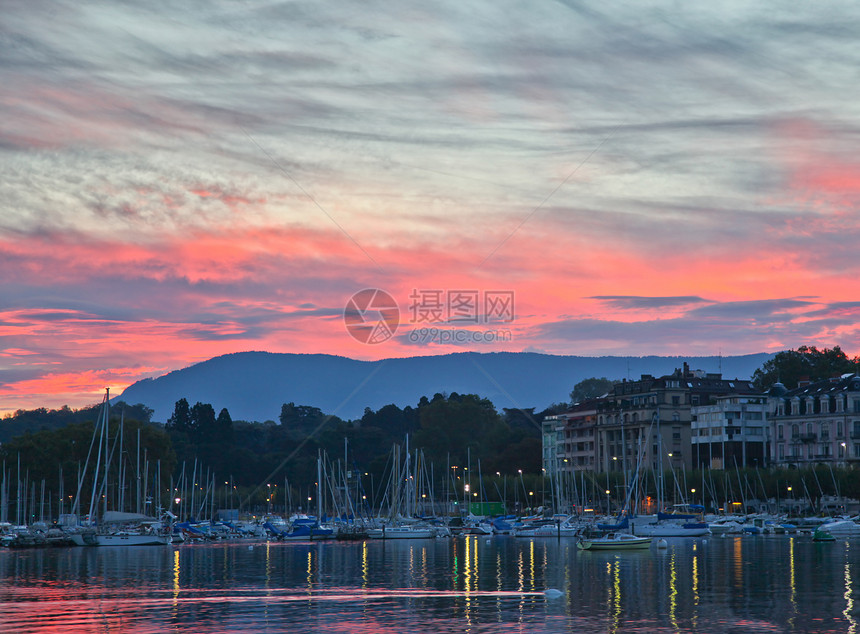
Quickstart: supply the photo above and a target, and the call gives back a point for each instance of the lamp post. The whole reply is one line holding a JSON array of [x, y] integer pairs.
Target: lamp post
[[543, 487], [608, 504], [522, 482]]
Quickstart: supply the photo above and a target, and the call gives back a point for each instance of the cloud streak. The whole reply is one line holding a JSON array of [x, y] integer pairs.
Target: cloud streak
[[186, 180]]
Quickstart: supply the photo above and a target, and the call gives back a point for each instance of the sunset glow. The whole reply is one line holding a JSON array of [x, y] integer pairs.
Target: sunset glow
[[212, 179]]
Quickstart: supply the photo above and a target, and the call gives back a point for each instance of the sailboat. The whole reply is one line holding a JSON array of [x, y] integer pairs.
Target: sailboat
[[113, 529], [615, 541], [403, 495]]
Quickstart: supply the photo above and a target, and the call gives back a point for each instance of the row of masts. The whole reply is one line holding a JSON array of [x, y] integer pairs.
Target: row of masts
[[409, 487]]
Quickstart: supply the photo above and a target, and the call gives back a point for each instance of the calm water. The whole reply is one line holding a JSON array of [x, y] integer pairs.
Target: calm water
[[732, 584]]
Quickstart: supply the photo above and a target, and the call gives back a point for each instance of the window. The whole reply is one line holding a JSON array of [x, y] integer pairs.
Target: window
[[840, 431], [753, 416], [825, 431], [857, 451], [676, 416], [676, 400], [857, 406], [779, 432], [676, 433], [781, 451]]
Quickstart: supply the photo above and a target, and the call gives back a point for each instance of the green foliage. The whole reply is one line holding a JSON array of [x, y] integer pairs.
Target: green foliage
[[23, 421], [304, 419], [524, 421], [807, 362], [460, 424], [45, 454], [590, 388], [180, 420], [392, 422]]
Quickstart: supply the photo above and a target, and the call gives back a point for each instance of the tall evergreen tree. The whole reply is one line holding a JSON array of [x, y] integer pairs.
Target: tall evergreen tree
[[180, 420]]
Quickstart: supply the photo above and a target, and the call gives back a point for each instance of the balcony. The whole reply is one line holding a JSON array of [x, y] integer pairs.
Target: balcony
[[808, 437]]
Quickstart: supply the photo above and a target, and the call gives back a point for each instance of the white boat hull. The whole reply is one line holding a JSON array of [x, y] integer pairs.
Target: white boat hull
[[670, 530], [84, 539], [397, 532], [841, 528], [615, 542]]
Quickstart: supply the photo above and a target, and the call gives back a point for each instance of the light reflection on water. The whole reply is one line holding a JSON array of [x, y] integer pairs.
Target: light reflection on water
[[743, 584]]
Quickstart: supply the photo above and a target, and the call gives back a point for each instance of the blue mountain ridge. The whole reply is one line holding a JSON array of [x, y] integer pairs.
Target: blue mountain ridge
[[254, 385]]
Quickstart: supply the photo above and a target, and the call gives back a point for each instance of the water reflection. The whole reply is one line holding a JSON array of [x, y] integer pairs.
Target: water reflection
[[750, 584]]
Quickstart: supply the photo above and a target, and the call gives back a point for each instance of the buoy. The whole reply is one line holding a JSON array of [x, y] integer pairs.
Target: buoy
[[661, 543], [487, 542], [552, 593]]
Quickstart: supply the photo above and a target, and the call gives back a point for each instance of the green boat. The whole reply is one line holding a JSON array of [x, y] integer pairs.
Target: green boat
[[822, 536]]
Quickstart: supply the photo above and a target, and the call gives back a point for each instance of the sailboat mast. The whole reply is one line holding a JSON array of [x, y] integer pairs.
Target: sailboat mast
[[98, 455]]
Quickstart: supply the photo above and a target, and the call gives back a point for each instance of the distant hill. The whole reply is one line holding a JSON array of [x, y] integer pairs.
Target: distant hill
[[254, 385]]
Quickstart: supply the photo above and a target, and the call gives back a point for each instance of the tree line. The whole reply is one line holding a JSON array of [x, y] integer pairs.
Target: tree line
[[451, 429]]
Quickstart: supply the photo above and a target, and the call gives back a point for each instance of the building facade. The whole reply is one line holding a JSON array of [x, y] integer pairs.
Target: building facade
[[816, 422], [648, 422], [568, 440], [731, 431]]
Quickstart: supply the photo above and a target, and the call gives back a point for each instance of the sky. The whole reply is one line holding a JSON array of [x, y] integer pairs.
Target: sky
[[180, 180]]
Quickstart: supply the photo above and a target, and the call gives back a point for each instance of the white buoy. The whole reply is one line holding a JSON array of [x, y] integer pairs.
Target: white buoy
[[661, 543], [552, 593]]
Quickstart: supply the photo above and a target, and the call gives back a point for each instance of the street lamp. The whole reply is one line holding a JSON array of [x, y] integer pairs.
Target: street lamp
[[608, 503]]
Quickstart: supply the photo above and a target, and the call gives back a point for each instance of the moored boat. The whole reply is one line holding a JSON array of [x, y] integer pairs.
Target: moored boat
[[841, 527], [401, 532], [615, 541], [821, 535]]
